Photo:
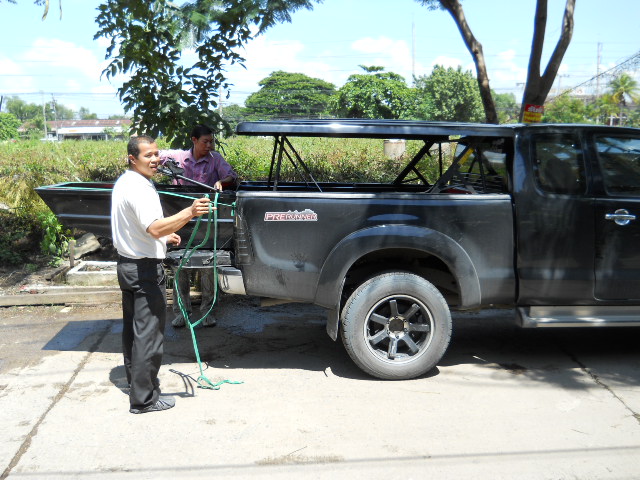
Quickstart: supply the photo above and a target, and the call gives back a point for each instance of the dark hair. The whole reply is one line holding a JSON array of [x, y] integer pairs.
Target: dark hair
[[133, 147], [200, 130]]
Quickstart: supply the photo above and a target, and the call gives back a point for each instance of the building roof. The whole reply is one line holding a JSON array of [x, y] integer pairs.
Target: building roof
[[99, 123]]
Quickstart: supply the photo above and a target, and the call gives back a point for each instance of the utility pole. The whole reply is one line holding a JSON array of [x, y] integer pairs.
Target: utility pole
[[559, 89], [55, 113], [413, 51], [598, 70], [44, 114]]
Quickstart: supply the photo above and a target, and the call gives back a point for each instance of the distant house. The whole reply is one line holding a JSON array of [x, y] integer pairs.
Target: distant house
[[88, 129]]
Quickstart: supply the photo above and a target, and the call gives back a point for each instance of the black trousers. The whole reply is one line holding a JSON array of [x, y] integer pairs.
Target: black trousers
[[142, 282]]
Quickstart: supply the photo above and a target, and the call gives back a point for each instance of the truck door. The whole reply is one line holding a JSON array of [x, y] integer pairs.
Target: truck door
[[617, 218], [554, 215]]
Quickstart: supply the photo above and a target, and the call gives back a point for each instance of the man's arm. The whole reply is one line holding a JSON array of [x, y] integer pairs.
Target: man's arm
[[225, 172], [165, 226]]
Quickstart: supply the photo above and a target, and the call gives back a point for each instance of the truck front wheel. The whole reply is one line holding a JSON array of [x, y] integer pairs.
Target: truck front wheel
[[396, 326]]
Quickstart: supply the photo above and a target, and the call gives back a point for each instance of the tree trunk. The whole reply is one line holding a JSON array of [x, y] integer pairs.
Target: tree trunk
[[537, 87], [475, 48]]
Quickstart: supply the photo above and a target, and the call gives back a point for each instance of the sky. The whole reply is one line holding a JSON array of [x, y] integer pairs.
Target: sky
[[58, 58]]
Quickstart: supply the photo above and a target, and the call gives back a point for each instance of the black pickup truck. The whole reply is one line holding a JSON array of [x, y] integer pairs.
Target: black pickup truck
[[537, 217]]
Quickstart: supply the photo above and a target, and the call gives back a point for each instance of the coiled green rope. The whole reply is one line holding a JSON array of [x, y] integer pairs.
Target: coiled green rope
[[202, 381]]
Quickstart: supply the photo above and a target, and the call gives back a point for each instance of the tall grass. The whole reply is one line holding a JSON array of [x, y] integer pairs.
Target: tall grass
[[25, 165]]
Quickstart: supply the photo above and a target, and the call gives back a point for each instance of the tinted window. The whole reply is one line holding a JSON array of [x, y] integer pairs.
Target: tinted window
[[619, 159], [558, 163]]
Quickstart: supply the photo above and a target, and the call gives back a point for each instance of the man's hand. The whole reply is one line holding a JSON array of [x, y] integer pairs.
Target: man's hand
[[173, 239], [218, 186], [164, 227], [200, 206]]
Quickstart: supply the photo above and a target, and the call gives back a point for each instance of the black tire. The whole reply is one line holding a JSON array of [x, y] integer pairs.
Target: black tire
[[396, 326]]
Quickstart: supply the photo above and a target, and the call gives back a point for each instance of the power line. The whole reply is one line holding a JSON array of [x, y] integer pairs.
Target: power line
[[630, 63]]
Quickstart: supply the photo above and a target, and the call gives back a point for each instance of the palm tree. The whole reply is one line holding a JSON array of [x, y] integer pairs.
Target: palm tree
[[622, 88], [606, 109]]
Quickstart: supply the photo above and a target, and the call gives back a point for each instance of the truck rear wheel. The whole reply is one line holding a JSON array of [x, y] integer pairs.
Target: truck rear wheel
[[396, 326]]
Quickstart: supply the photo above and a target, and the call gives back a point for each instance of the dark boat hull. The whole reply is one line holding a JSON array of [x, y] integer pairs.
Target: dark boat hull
[[87, 206]]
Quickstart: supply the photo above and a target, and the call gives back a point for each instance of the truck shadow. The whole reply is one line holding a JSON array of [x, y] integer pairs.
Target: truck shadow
[[292, 336], [573, 358]]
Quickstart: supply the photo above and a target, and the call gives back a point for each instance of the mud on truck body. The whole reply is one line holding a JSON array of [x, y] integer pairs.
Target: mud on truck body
[[539, 218]]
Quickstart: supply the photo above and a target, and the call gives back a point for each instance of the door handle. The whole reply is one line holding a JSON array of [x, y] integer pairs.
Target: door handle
[[621, 216]]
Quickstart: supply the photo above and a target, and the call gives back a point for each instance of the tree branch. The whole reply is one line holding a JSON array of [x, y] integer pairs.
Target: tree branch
[[475, 48]]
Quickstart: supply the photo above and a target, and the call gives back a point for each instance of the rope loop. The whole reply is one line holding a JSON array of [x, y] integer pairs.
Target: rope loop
[[202, 381]]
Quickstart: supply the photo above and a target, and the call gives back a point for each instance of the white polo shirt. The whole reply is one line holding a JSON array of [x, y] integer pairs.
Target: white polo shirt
[[135, 204]]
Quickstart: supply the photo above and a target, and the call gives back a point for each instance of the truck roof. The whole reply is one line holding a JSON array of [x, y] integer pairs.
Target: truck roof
[[363, 128], [401, 129]]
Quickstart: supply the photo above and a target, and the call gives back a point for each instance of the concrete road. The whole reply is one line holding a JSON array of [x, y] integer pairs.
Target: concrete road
[[504, 403]]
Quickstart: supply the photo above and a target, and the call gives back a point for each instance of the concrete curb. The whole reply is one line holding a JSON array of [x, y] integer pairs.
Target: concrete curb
[[66, 295], [63, 296]]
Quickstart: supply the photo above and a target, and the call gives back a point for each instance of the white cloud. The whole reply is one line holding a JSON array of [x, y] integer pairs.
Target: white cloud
[[394, 55], [14, 78], [263, 57], [54, 53], [73, 85], [105, 89], [506, 73]]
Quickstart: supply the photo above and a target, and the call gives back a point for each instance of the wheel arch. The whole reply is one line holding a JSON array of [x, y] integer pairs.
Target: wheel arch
[[363, 253]]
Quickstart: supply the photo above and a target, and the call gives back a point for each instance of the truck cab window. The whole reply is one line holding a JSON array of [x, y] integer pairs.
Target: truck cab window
[[558, 163], [619, 159]]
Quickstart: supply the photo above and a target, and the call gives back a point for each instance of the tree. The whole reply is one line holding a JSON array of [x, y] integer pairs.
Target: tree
[[622, 88], [85, 114], [606, 109], [284, 94], [60, 112], [9, 125], [147, 39], [506, 106], [22, 110], [448, 94], [32, 112], [537, 86], [374, 94], [234, 114], [566, 109]]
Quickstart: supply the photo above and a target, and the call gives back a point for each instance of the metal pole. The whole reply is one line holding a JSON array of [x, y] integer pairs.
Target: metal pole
[[44, 115]]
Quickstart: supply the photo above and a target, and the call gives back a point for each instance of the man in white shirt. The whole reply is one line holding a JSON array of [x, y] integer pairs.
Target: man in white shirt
[[140, 234]]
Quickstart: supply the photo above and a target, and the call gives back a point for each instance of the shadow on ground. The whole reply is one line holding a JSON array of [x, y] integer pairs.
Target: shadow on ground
[[293, 336]]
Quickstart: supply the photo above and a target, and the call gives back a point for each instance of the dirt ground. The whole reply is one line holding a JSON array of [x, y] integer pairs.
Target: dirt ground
[[37, 269], [14, 278]]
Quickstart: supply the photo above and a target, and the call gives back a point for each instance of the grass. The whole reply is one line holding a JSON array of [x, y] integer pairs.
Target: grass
[[27, 164]]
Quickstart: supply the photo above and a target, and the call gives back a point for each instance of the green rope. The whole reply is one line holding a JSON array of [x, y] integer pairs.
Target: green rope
[[171, 194], [202, 381]]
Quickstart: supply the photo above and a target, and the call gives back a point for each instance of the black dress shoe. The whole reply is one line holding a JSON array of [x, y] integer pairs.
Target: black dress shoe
[[163, 403]]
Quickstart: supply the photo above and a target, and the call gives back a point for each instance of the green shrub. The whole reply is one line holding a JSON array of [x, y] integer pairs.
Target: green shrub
[[55, 238], [18, 235], [27, 164]]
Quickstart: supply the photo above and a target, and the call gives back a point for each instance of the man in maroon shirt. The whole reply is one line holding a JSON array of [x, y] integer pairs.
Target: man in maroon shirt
[[203, 164]]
